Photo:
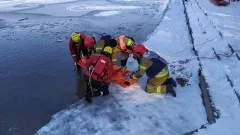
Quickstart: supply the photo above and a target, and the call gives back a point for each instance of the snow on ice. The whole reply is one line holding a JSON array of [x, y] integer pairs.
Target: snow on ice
[[139, 106], [103, 7], [108, 13], [219, 23], [132, 110]]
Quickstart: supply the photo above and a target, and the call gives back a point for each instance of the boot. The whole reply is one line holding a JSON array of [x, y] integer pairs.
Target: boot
[[97, 93], [170, 81], [173, 82], [105, 93], [171, 90], [88, 95], [88, 98]]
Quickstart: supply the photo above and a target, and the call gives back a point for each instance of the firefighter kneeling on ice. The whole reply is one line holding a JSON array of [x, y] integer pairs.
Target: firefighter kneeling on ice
[[98, 74], [156, 69]]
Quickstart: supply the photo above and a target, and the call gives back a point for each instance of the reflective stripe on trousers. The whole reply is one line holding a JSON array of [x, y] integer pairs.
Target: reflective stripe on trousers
[[160, 89], [163, 73], [150, 89]]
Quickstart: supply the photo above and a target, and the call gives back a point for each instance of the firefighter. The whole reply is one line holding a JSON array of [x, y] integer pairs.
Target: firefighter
[[105, 40], [98, 74], [125, 45], [81, 47], [156, 68]]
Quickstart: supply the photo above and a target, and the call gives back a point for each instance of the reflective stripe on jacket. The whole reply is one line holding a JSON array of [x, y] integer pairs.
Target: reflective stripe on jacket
[[125, 44], [152, 64]]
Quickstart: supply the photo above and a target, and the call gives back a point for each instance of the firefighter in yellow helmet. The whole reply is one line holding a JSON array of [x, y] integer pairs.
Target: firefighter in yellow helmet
[[125, 45], [81, 46], [156, 68], [98, 74]]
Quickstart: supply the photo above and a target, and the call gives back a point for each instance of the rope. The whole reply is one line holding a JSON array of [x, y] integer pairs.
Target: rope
[[90, 71], [202, 44], [187, 49], [214, 57]]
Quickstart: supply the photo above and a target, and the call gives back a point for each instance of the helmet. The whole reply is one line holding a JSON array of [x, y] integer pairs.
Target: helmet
[[89, 42], [139, 50], [75, 37], [108, 50]]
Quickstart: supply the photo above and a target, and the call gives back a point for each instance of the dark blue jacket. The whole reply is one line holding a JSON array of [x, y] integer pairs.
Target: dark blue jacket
[[158, 63]]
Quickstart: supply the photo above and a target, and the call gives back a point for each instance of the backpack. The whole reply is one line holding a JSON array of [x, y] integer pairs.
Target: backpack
[[100, 66], [106, 38]]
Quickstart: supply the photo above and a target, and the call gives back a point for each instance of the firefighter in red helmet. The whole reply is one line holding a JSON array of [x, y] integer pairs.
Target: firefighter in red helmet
[[81, 46], [156, 69]]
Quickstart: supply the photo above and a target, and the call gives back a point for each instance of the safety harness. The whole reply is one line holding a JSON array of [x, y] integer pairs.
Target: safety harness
[[90, 72]]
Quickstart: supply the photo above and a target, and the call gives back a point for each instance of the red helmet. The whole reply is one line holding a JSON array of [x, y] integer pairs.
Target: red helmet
[[139, 50], [89, 42]]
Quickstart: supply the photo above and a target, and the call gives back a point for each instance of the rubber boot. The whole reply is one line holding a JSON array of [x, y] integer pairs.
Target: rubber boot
[[88, 94], [88, 98], [171, 90], [105, 93], [170, 81], [97, 93], [173, 82]]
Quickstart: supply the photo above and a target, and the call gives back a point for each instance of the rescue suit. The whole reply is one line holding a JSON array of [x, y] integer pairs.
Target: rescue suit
[[125, 45], [98, 75], [157, 71], [79, 46]]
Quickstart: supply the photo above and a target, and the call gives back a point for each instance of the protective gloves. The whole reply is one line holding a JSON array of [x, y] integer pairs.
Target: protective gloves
[[83, 62]]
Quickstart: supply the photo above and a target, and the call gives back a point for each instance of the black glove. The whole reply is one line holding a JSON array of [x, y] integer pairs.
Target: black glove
[[127, 83]]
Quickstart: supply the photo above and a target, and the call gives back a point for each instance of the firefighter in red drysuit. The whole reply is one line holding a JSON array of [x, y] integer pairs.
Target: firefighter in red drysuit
[[81, 47], [98, 74]]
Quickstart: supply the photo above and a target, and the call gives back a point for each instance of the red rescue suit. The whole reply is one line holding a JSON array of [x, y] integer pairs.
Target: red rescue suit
[[78, 50], [108, 72]]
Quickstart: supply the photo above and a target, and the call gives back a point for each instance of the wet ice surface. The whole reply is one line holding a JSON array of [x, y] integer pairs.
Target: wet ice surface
[[37, 74]]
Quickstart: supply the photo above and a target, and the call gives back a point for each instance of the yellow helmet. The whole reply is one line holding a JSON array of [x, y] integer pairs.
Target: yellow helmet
[[108, 50], [75, 37]]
